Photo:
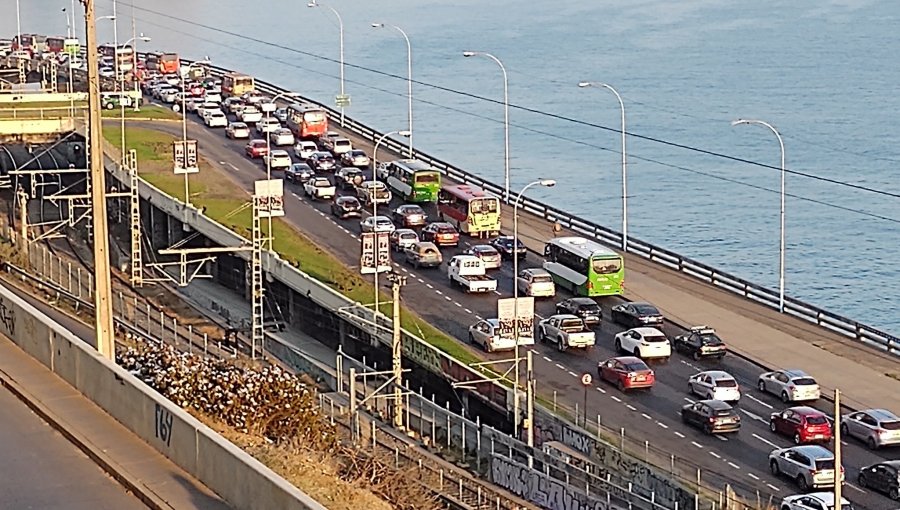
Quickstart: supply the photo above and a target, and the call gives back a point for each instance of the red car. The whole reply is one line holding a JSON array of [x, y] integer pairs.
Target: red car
[[626, 372], [256, 148], [441, 234], [803, 424]]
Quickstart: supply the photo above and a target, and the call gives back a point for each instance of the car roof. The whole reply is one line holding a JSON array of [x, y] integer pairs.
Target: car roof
[[882, 414], [794, 373], [628, 359], [649, 331], [825, 497], [717, 374], [566, 316], [718, 405], [440, 224], [812, 450], [806, 411], [536, 271], [582, 301], [409, 206], [484, 247], [279, 152]]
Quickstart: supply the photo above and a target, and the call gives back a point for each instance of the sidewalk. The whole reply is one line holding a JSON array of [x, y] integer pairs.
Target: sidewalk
[[756, 332], [155, 480]]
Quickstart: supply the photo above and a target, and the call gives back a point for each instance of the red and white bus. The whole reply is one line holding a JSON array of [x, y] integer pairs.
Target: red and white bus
[[165, 63], [56, 45], [471, 209], [307, 120], [33, 43]]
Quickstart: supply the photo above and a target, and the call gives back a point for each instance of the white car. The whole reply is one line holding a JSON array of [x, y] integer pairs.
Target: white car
[[876, 427], [281, 137], [341, 145], [281, 115], [267, 125], [107, 72], [206, 108], [237, 130], [267, 106], [715, 385], [305, 149], [278, 159], [487, 333], [790, 385], [216, 118], [645, 343], [536, 282], [250, 115], [813, 501], [377, 224]]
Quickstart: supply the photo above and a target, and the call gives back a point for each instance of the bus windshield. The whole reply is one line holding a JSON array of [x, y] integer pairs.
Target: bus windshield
[[483, 205], [606, 266], [314, 116], [427, 177]]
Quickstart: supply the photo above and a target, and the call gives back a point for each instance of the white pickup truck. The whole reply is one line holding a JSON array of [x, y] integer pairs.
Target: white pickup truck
[[467, 272], [319, 188], [566, 331]]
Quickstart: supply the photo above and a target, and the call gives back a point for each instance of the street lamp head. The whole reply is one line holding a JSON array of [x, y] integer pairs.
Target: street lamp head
[[312, 4], [405, 133], [549, 183], [584, 84], [469, 53], [377, 25], [111, 18], [144, 39], [738, 121]]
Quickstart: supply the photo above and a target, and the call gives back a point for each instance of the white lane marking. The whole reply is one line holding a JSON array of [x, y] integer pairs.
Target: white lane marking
[[617, 399], [679, 434], [497, 293], [428, 285], [404, 269], [735, 466], [661, 424], [695, 443], [548, 359], [420, 280], [448, 298], [688, 364], [457, 304], [689, 400], [236, 169], [764, 440], [645, 415], [560, 366], [848, 484], [439, 293], [573, 374], [720, 437], [751, 475], [296, 196], [754, 416], [760, 402], [631, 407], [601, 390], [470, 311], [769, 485], [479, 317], [716, 455]]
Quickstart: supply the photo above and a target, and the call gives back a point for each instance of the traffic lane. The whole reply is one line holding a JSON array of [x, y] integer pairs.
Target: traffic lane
[[457, 329]]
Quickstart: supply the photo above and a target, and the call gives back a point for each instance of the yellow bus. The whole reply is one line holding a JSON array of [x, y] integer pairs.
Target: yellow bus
[[237, 84], [471, 209]]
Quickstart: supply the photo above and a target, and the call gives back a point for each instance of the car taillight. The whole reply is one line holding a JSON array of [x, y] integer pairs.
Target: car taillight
[[590, 285]]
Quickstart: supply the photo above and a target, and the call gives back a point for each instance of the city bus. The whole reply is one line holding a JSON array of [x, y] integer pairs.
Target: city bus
[[414, 180], [307, 121], [585, 267], [237, 84], [165, 63], [471, 209], [56, 45]]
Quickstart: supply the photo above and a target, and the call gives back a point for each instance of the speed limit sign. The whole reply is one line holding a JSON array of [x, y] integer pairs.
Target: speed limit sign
[[586, 379]]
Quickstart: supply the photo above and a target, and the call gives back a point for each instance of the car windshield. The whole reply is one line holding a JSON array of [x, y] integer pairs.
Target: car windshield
[[804, 381], [606, 266], [645, 309], [408, 235], [542, 278], [570, 324], [726, 383], [890, 425], [381, 220], [655, 338], [636, 366], [710, 339], [723, 412], [824, 464], [816, 420], [446, 230]]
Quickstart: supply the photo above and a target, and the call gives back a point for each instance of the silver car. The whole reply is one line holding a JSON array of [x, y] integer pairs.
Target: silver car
[[790, 385], [877, 427], [811, 466]]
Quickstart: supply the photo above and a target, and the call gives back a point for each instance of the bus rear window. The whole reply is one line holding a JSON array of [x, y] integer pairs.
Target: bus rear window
[[606, 266], [426, 178], [483, 205], [314, 116]]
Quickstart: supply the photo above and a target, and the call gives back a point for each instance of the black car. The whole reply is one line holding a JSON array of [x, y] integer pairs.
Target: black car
[[636, 315], [349, 177], [585, 308], [346, 207], [700, 342], [409, 215], [711, 416], [298, 173], [504, 244], [883, 477], [321, 161]]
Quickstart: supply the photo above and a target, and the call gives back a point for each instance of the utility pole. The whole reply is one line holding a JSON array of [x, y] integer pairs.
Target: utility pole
[[23, 220], [529, 399], [103, 316], [838, 469], [397, 281]]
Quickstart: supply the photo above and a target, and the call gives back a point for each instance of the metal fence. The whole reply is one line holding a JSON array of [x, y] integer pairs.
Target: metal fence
[[765, 296]]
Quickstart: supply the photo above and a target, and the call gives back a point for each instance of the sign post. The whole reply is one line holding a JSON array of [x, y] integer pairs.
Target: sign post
[[505, 315], [269, 197], [586, 380], [184, 155], [342, 100], [375, 256]]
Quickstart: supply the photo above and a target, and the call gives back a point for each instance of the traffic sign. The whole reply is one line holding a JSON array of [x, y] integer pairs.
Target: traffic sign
[[342, 100], [184, 154], [586, 379]]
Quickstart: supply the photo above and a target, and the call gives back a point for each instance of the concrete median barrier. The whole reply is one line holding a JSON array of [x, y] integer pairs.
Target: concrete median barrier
[[237, 477]]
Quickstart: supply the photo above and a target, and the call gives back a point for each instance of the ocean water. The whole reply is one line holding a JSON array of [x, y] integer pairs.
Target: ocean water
[[824, 73]]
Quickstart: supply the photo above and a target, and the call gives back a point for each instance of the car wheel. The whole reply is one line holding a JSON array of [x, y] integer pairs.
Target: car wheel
[[870, 443], [772, 426], [560, 344], [761, 385], [862, 481], [894, 493], [784, 397], [696, 355], [802, 483], [620, 385], [618, 345], [542, 337], [707, 429], [637, 353], [773, 467], [797, 438], [471, 339], [844, 430]]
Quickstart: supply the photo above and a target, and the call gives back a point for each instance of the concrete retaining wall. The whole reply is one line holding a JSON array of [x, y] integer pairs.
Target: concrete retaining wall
[[233, 474]]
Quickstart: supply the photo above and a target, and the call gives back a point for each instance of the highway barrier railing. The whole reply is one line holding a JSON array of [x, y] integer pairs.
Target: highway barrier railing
[[765, 296]]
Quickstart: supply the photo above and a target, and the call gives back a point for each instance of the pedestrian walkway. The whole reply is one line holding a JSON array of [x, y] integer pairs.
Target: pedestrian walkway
[[154, 479], [867, 378]]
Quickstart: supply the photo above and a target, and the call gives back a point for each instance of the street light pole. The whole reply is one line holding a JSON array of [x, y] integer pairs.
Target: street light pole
[[549, 183], [269, 152], [782, 245], [122, 91], [315, 3], [505, 117], [409, 93], [404, 133], [624, 161], [184, 71]]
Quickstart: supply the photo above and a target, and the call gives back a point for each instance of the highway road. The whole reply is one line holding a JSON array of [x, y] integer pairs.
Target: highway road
[[41, 469], [739, 459]]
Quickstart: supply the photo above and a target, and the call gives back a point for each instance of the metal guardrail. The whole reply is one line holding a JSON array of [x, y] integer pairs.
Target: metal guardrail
[[765, 296]]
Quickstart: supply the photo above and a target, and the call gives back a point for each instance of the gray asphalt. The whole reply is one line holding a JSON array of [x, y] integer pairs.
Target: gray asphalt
[[740, 459], [42, 470]]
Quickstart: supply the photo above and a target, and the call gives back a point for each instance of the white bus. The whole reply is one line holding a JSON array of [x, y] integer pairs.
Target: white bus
[[585, 267], [414, 180]]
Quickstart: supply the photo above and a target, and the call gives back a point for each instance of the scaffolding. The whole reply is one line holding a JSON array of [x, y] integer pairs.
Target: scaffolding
[[257, 290], [137, 263]]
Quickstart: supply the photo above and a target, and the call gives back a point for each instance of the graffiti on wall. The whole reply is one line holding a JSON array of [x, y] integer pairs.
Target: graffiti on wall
[[539, 488], [7, 318]]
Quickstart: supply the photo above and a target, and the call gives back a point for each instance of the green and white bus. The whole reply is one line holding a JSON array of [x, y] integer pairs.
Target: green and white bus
[[414, 180], [585, 267]]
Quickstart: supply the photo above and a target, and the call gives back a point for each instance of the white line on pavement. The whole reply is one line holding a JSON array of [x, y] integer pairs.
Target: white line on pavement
[[573, 374], [751, 475], [754, 416], [720, 437], [679, 434], [645, 415], [439, 293], [631, 407], [601, 390], [848, 484], [457, 304], [470, 311], [429, 285], [448, 298], [236, 169], [560, 366], [764, 440], [617, 399], [661, 424], [716, 455], [758, 401], [735, 466], [689, 400], [769, 485], [548, 359], [695, 443], [497, 293]]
